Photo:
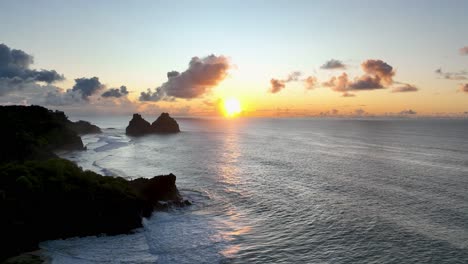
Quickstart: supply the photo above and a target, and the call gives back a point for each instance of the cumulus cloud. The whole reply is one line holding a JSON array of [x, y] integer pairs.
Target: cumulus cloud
[[333, 65], [380, 70], [80, 93], [338, 84], [408, 112], [464, 87], [15, 71], [310, 82], [405, 88], [464, 50], [366, 83], [277, 85], [116, 92], [457, 76], [201, 76], [378, 75], [87, 86]]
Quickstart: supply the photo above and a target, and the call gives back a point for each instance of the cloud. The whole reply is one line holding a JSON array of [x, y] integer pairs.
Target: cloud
[[348, 94], [380, 69], [276, 85], [457, 76], [333, 65], [464, 50], [338, 84], [366, 83], [116, 92], [80, 93], [408, 112], [201, 76], [87, 86], [310, 82], [360, 112], [464, 87], [405, 88], [293, 76], [15, 70], [378, 75]]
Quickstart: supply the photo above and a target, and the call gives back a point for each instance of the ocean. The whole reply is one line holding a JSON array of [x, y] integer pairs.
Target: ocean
[[288, 191]]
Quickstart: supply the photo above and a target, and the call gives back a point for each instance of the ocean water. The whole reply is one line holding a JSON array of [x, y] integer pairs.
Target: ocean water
[[289, 191]]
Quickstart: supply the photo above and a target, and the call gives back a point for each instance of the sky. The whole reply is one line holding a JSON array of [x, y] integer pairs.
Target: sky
[[278, 58]]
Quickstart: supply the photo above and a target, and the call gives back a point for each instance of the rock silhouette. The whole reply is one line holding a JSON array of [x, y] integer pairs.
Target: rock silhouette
[[84, 127], [138, 126], [164, 124]]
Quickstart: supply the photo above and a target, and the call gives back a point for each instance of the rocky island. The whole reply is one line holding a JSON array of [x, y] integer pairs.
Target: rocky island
[[164, 124], [43, 197]]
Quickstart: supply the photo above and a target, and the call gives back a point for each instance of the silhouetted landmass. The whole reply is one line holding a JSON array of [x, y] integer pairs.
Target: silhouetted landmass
[[164, 124], [43, 200], [138, 126], [84, 127], [34, 132], [43, 197]]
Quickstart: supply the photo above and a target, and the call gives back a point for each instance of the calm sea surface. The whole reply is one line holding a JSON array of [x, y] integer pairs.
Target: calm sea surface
[[289, 191]]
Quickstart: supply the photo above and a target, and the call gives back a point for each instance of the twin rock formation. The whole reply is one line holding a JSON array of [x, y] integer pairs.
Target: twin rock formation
[[163, 125]]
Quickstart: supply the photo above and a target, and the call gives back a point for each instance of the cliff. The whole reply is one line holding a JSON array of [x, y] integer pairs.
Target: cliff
[[34, 132]]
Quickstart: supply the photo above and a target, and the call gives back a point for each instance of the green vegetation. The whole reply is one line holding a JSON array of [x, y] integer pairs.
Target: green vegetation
[[33, 132], [41, 200]]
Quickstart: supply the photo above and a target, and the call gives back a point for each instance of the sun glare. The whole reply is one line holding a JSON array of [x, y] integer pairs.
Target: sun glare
[[232, 107]]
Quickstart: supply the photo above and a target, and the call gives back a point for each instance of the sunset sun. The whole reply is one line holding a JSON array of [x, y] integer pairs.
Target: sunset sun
[[232, 107]]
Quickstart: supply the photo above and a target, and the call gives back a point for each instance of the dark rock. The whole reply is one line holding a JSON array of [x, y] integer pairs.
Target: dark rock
[[158, 188], [84, 127], [165, 124], [138, 126]]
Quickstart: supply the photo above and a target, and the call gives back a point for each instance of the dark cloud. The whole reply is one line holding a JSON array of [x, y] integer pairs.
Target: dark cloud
[[14, 69], [366, 83], [116, 92], [408, 112], [464, 50], [457, 76], [310, 82], [333, 65], [276, 85], [78, 94], [87, 86], [464, 87], [202, 75], [405, 88]]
